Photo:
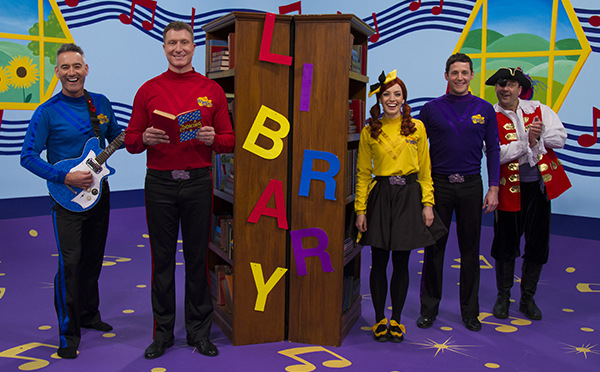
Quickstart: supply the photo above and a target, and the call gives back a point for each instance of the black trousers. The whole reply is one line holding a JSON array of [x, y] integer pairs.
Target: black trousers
[[466, 200], [80, 239], [533, 220], [170, 202]]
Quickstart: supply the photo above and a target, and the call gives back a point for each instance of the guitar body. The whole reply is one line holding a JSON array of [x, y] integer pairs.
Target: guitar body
[[76, 199]]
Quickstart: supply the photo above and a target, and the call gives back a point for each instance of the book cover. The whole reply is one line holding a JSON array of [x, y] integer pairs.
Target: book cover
[[180, 128], [231, 46]]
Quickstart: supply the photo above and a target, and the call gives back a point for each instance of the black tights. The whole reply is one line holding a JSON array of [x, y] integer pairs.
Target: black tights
[[398, 284]]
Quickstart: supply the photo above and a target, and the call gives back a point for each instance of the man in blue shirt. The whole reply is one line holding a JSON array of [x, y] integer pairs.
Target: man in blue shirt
[[62, 126]]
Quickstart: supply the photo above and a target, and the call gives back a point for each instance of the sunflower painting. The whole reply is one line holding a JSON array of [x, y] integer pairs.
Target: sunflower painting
[[22, 73]]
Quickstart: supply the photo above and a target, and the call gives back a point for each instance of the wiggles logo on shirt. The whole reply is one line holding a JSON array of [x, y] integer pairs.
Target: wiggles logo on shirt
[[478, 119], [204, 101], [103, 119]]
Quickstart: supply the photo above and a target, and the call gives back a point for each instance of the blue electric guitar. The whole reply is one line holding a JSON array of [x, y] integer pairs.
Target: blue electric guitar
[[76, 199]]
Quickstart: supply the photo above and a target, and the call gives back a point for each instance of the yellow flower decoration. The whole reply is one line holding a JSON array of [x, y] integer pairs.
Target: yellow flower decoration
[[3, 79], [22, 72]]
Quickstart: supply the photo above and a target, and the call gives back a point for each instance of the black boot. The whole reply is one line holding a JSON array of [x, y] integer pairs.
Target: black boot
[[505, 272], [529, 281]]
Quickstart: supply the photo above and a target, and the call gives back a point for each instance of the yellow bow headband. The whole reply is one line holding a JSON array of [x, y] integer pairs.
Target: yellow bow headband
[[383, 80]]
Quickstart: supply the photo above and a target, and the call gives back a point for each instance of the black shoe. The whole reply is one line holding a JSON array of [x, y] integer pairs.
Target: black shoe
[[99, 326], [530, 309], [396, 331], [69, 352], [156, 349], [380, 331], [472, 324], [501, 308], [425, 321], [205, 347]]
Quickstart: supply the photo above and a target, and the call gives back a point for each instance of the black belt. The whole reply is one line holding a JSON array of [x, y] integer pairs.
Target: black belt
[[397, 180], [456, 178], [178, 174]]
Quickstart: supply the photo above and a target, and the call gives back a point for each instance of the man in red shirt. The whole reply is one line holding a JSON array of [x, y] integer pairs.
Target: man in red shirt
[[178, 186]]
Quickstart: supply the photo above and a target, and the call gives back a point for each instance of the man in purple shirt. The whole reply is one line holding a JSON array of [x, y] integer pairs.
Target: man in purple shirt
[[458, 124]]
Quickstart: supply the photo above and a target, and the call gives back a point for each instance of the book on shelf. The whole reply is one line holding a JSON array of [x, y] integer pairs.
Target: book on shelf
[[357, 114], [231, 108], [227, 236], [223, 172], [181, 127], [220, 271], [231, 48], [351, 171], [217, 49], [228, 286], [358, 61], [219, 61]]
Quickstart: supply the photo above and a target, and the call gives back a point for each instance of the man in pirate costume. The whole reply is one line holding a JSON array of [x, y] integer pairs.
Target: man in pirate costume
[[530, 176]]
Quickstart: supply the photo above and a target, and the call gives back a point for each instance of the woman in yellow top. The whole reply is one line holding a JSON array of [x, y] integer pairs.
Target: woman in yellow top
[[394, 198]]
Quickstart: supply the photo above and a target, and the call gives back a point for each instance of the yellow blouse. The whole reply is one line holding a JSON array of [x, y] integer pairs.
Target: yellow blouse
[[392, 154]]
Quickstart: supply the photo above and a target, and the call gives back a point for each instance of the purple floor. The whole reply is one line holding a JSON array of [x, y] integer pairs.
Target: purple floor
[[567, 339]]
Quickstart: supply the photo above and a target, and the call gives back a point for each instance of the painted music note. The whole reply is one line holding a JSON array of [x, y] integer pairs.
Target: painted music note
[[148, 4], [587, 140], [375, 38], [72, 3], [505, 328], [415, 5], [306, 366], [594, 21], [193, 15], [33, 363], [437, 10], [285, 9]]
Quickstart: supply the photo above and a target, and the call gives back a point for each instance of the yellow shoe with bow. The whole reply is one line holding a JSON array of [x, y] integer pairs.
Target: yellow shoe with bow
[[396, 331], [380, 331]]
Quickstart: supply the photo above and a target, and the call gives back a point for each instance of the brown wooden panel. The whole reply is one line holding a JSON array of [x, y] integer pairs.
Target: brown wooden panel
[[256, 83], [316, 299]]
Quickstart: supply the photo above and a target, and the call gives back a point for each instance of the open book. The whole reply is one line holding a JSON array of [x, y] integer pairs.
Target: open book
[[179, 128]]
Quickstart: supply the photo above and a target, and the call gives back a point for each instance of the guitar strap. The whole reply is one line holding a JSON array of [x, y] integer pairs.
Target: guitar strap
[[92, 112]]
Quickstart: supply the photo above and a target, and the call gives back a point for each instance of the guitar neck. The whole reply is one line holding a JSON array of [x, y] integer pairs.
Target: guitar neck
[[110, 149]]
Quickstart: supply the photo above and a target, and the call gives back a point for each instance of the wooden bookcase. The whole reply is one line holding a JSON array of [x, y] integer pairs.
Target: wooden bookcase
[[254, 83], [306, 308], [315, 300]]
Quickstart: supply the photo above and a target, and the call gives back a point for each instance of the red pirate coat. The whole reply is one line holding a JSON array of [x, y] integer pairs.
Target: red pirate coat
[[554, 176]]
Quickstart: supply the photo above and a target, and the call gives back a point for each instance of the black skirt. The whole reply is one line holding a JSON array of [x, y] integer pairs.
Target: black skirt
[[395, 219]]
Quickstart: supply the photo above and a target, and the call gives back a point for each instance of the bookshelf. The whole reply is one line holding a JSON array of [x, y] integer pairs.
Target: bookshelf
[[320, 307], [253, 83], [317, 299]]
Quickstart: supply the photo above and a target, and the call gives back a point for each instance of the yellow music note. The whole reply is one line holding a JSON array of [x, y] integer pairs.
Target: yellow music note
[[505, 328], [106, 262], [305, 366], [581, 287], [35, 363], [486, 264]]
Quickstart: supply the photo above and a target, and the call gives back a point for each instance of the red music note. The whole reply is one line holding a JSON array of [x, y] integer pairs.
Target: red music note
[[72, 3], [415, 5], [586, 140], [285, 9], [193, 15], [148, 4], [437, 10], [594, 21], [375, 38]]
